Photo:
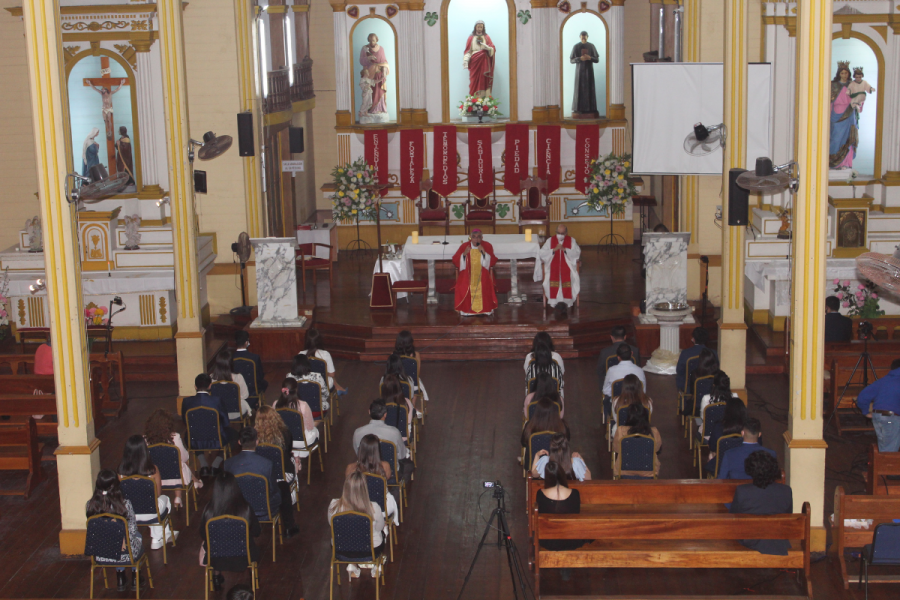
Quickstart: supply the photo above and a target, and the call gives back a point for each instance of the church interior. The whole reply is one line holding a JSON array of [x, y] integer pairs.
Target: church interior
[[678, 214]]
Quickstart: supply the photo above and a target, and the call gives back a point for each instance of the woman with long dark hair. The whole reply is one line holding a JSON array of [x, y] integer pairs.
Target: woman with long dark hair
[[289, 399], [227, 499], [108, 498], [570, 462], [545, 418], [315, 347], [392, 393], [355, 497], [544, 363], [136, 461], [160, 429], [542, 337], [406, 346], [223, 370], [301, 371], [721, 392], [546, 388], [557, 498], [636, 423], [632, 393], [368, 460]]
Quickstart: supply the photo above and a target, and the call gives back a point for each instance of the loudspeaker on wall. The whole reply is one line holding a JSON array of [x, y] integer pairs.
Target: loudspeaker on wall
[[200, 182], [738, 200], [245, 134], [296, 136]]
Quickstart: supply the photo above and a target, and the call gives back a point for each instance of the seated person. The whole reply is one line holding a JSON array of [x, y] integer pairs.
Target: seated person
[[302, 372], [617, 336], [732, 465], [636, 423], [544, 363], [571, 463], [355, 498], [43, 359], [557, 498], [632, 393], [721, 392], [384, 432], [838, 328], [242, 343], [542, 337], [880, 401], [223, 370], [227, 499], [545, 418], [405, 346], [706, 364], [392, 394], [625, 367], [368, 460], [732, 422], [203, 398], [108, 499], [546, 388], [763, 497], [315, 348], [700, 337], [289, 399]]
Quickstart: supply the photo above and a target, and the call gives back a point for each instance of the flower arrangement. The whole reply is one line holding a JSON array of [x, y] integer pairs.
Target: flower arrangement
[[489, 105], [351, 198], [609, 184], [862, 302], [95, 316]]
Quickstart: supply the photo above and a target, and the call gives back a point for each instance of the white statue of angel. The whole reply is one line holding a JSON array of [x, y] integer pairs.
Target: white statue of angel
[[35, 236], [132, 234]]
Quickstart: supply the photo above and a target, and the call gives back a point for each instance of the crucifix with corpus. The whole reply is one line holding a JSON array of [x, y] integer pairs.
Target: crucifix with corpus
[[106, 86]]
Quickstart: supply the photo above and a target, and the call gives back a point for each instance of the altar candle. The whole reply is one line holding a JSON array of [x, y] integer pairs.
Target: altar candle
[[415, 237], [527, 235]]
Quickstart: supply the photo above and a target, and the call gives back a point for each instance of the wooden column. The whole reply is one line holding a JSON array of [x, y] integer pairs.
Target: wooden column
[[77, 458]]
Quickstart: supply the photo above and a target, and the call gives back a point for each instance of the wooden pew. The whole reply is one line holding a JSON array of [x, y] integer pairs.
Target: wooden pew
[[880, 509], [18, 400], [19, 452], [882, 464], [663, 540], [840, 371], [651, 495]]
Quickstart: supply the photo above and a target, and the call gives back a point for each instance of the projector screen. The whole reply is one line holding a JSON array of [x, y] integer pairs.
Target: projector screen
[[669, 98]]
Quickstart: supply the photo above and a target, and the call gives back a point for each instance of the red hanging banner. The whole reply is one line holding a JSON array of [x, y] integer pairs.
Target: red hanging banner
[[444, 175], [412, 150], [481, 171], [376, 143], [516, 157], [547, 155], [587, 146]]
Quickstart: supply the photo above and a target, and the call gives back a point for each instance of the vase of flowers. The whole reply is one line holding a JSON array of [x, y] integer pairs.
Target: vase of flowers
[[472, 104], [609, 184], [861, 302], [352, 199], [94, 316]]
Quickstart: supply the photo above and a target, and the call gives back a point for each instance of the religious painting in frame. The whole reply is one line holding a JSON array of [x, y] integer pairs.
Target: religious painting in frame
[[373, 65], [851, 228], [103, 116], [584, 65]]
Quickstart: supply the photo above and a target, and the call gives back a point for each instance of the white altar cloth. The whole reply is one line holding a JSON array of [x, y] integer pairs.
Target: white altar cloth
[[506, 247]]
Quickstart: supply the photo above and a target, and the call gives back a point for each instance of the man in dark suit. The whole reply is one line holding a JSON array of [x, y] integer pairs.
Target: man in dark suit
[[248, 461], [732, 466], [242, 341], [617, 336], [763, 497], [700, 337], [838, 328], [204, 398]]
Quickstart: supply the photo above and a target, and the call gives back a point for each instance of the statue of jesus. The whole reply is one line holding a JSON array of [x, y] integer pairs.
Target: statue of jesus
[[479, 60], [106, 97]]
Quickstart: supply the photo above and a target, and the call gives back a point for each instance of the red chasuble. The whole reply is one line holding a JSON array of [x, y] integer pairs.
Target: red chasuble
[[484, 287], [559, 269]]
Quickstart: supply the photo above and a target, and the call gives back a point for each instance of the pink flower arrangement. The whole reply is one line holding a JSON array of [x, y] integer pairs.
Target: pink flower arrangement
[[861, 302], [95, 316]]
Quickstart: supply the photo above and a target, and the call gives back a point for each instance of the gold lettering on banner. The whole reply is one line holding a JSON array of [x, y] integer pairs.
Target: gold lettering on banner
[[480, 150], [517, 157], [445, 167], [412, 162]]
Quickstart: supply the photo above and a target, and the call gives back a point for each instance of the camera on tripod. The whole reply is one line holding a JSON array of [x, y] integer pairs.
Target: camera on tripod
[[496, 486], [865, 330]]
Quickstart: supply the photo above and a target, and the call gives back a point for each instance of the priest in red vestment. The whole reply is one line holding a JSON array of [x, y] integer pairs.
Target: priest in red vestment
[[560, 256], [479, 60], [475, 294]]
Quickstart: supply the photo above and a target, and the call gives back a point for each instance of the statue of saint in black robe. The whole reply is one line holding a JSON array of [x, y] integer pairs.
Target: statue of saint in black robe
[[584, 100]]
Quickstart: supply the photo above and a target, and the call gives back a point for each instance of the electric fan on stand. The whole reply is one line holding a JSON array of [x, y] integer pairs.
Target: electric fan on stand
[[881, 269], [703, 140], [242, 249]]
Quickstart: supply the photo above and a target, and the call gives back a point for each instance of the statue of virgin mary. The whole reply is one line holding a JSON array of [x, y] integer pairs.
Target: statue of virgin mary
[[90, 152]]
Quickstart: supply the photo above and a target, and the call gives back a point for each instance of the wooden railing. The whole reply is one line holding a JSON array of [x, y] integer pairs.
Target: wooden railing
[[303, 83], [279, 97]]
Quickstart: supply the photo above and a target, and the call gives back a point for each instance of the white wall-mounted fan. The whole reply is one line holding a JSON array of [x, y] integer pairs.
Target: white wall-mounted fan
[[881, 269], [705, 139]]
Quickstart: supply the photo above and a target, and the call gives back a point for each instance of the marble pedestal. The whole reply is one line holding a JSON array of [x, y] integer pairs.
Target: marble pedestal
[[276, 283], [665, 260]]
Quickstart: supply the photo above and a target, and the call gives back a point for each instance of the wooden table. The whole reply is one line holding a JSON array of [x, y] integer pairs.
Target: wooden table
[[42, 334]]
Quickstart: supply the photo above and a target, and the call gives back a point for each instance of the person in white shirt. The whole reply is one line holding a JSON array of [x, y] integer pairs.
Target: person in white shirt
[[223, 370], [314, 348], [301, 371], [619, 371], [721, 392], [355, 498], [560, 256]]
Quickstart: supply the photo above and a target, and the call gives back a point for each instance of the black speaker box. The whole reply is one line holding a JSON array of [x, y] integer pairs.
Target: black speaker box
[[738, 200], [296, 134], [245, 134], [200, 182]]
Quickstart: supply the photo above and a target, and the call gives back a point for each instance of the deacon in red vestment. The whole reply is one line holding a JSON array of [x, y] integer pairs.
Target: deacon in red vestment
[[479, 60], [560, 256], [475, 294]]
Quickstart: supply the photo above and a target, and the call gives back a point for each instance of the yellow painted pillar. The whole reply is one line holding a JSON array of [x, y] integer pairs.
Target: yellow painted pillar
[[246, 57], [189, 339], [77, 458], [805, 448], [732, 329], [689, 193]]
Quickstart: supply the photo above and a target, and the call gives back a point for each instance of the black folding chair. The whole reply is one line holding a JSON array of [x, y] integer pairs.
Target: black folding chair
[[318, 365], [883, 551], [229, 393], [723, 445], [275, 454], [712, 414]]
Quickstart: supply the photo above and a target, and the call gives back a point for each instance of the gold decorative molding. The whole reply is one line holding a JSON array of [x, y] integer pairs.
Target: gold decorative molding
[[617, 2], [300, 8], [128, 53], [98, 9], [411, 5], [94, 25], [110, 36], [181, 335], [865, 202], [816, 444], [543, 3], [338, 6], [69, 450], [616, 111], [343, 118], [891, 178], [70, 52]]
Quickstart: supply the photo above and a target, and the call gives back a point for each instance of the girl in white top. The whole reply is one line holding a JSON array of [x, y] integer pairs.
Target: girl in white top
[[223, 370], [314, 348], [720, 393], [355, 497], [632, 393], [302, 372], [542, 337], [289, 399]]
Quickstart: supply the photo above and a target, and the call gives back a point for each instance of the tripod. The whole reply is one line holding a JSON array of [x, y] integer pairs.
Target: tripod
[[866, 361], [610, 242], [504, 538]]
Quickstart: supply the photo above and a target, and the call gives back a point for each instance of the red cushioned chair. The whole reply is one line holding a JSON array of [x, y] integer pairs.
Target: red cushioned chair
[[306, 261], [482, 211], [433, 209], [534, 204], [412, 286]]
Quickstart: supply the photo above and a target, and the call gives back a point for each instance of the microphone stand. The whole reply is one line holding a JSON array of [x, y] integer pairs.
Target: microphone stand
[[118, 302]]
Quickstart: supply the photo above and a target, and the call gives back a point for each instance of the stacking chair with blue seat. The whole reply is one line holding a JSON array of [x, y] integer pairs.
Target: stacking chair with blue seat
[[536, 442], [621, 415], [312, 393], [723, 445], [229, 393], [378, 491], [532, 405], [276, 456], [318, 365], [246, 368], [883, 551], [389, 455], [255, 490], [351, 533], [712, 414], [204, 432], [294, 421], [636, 455], [686, 396], [702, 387], [228, 536], [412, 366], [141, 491], [398, 417], [106, 535], [167, 459]]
